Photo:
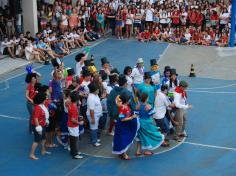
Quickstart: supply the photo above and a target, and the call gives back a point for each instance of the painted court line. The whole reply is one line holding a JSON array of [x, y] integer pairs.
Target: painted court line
[[211, 146], [6, 85], [209, 92], [40, 66], [12, 117], [77, 167], [212, 88], [164, 52]]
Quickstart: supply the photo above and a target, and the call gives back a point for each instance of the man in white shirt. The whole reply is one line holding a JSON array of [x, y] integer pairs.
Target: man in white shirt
[[161, 104], [180, 101], [80, 58], [94, 112]]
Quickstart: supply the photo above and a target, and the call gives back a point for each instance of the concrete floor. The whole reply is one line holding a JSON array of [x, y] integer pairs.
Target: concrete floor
[[209, 62]]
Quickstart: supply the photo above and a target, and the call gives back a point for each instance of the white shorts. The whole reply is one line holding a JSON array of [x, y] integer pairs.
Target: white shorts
[[73, 131]]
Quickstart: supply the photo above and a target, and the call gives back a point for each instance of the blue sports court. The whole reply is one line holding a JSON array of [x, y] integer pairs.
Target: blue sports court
[[210, 148]]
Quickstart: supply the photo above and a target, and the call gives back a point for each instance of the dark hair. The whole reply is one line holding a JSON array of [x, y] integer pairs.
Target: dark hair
[[92, 87], [39, 98], [103, 76], [66, 92], [126, 70], [122, 80], [124, 97], [43, 88], [143, 97], [79, 56], [74, 97], [164, 87]]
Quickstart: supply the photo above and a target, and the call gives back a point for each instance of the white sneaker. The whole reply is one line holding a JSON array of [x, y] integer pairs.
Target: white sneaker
[[96, 144], [79, 153], [111, 134], [78, 157], [99, 140]]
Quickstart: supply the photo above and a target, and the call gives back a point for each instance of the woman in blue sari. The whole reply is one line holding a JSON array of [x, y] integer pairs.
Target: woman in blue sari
[[149, 138]]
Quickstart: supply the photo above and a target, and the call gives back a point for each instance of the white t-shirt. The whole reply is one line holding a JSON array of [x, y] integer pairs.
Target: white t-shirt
[[187, 36], [94, 103], [224, 15], [28, 51], [161, 103], [129, 82], [4, 45], [78, 68], [149, 15], [137, 76]]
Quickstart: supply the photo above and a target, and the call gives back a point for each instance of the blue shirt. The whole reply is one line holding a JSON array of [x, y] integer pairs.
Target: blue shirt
[[148, 89]]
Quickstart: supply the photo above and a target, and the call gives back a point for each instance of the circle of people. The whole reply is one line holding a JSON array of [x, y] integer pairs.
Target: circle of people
[[135, 105], [64, 25]]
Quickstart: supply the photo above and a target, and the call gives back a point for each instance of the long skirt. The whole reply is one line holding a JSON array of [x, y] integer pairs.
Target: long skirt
[[148, 135], [125, 134]]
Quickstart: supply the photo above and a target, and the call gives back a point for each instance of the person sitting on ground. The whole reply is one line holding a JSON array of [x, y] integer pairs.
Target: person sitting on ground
[[31, 54], [7, 48], [60, 47], [20, 49]]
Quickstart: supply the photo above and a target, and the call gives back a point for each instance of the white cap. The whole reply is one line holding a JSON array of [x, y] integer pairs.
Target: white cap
[[140, 60]]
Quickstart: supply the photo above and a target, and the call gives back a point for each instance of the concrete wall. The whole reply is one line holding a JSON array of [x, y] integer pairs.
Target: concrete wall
[[30, 20]]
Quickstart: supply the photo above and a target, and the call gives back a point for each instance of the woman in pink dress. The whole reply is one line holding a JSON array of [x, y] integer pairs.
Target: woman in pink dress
[[73, 19]]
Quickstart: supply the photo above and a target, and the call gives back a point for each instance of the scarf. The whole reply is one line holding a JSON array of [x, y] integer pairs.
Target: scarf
[[181, 91]]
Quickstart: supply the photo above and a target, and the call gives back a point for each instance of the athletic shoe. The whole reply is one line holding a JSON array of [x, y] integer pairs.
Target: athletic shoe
[[96, 144], [99, 140], [78, 157]]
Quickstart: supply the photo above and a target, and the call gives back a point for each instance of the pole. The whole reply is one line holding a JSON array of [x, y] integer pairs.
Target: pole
[[233, 14]]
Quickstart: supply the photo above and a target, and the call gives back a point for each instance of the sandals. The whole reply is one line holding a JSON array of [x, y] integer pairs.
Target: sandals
[[148, 153], [33, 157], [125, 157], [138, 154]]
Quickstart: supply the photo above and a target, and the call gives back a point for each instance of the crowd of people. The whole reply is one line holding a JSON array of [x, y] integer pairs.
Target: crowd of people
[[64, 25], [145, 107]]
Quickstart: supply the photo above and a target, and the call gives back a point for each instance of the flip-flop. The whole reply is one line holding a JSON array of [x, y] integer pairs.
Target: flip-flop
[[33, 157], [148, 154], [138, 154]]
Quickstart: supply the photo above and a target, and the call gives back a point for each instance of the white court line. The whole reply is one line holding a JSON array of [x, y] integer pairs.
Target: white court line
[[76, 167], [209, 92], [12, 117], [40, 66], [133, 157], [164, 52], [212, 88], [6, 85], [211, 146]]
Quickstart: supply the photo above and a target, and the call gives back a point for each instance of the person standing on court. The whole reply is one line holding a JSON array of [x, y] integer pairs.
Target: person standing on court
[[111, 103], [180, 101], [30, 94], [39, 122], [148, 88], [138, 72], [73, 125]]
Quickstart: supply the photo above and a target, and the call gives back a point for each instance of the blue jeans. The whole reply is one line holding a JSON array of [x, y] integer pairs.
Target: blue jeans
[[94, 136], [163, 124], [30, 108]]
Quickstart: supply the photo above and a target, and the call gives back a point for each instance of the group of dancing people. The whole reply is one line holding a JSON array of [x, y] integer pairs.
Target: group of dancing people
[[134, 106]]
